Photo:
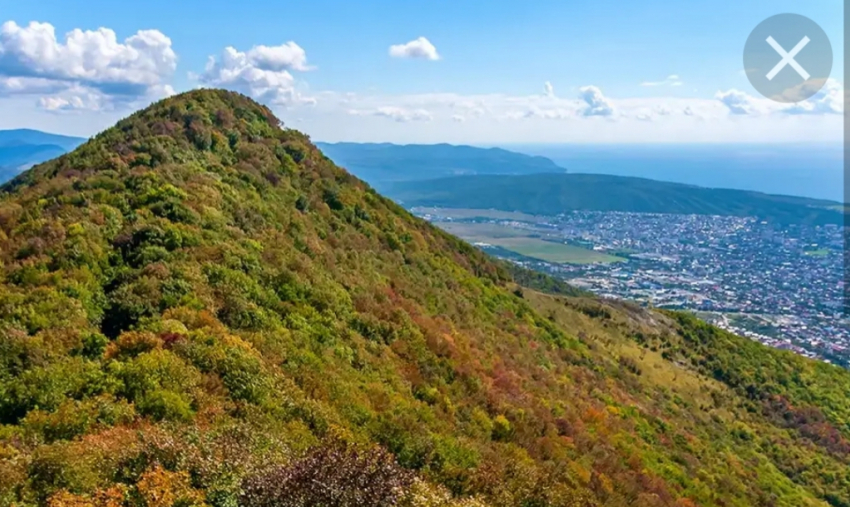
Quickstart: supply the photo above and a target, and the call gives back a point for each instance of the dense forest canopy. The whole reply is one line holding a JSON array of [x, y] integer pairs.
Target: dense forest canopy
[[198, 308]]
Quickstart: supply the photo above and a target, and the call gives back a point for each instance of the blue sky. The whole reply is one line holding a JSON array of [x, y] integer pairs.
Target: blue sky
[[617, 71]]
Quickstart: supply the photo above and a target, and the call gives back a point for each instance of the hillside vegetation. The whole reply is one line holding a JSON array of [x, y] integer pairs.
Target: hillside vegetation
[[551, 194], [198, 308]]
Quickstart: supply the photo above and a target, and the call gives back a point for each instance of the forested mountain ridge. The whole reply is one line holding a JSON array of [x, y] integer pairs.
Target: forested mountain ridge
[[198, 308], [554, 193]]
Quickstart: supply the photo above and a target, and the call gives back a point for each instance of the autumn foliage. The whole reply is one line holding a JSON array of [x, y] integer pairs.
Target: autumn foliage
[[198, 308]]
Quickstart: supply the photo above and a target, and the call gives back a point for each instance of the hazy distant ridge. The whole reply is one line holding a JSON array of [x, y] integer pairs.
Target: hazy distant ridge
[[23, 148], [383, 162]]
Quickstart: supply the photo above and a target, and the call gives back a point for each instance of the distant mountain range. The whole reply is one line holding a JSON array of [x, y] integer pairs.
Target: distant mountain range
[[550, 194], [23, 148], [453, 176], [383, 163]]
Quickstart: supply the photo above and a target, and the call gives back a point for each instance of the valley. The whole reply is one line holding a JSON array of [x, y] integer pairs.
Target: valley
[[779, 285]]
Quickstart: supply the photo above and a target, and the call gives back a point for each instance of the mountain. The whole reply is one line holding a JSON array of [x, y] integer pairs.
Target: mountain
[[551, 194], [382, 163], [198, 308], [37, 137], [22, 148]]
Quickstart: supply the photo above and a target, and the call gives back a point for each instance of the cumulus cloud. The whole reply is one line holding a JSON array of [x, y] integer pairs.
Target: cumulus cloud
[[458, 118], [74, 102], [548, 113], [827, 101], [29, 85], [595, 103], [34, 61], [420, 48], [468, 108], [262, 72], [399, 114], [741, 103], [76, 98], [671, 80]]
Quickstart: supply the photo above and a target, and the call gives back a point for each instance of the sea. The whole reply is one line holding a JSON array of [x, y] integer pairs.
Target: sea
[[806, 170]]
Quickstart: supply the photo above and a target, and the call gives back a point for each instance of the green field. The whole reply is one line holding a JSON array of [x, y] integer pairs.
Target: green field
[[526, 242], [466, 213]]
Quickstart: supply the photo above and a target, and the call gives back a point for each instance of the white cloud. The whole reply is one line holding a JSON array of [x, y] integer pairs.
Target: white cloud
[[261, 72], [742, 103], [548, 113], [73, 99], [29, 85], [88, 62], [595, 103], [398, 114], [828, 100], [420, 48], [537, 118], [284, 57], [548, 89], [671, 80], [57, 103]]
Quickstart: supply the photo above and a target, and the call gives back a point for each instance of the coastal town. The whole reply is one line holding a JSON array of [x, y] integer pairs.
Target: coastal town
[[781, 285]]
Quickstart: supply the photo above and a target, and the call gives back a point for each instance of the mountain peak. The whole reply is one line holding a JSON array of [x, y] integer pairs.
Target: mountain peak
[[200, 125], [202, 102]]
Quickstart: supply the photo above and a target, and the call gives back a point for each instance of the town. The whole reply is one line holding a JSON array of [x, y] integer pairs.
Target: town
[[780, 285]]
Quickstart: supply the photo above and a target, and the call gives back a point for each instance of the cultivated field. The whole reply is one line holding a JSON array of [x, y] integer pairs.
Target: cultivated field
[[529, 242]]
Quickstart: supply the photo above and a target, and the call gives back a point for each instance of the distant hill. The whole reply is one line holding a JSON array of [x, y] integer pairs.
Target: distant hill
[[30, 136], [23, 148], [384, 162], [550, 194]]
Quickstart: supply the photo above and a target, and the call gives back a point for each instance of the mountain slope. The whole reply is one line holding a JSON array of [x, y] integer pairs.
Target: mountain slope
[[551, 194], [198, 308], [379, 164]]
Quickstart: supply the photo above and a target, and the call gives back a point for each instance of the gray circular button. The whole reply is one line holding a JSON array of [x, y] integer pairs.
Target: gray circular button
[[788, 58]]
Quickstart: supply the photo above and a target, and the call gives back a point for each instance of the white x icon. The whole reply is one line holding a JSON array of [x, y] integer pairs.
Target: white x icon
[[788, 58]]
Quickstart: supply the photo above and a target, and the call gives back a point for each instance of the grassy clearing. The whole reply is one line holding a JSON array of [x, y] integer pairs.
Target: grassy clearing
[[610, 341], [466, 213], [554, 252], [527, 242]]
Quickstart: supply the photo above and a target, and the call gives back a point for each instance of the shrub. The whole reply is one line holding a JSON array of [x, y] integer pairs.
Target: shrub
[[502, 429], [337, 474], [163, 488], [164, 404], [161, 384]]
